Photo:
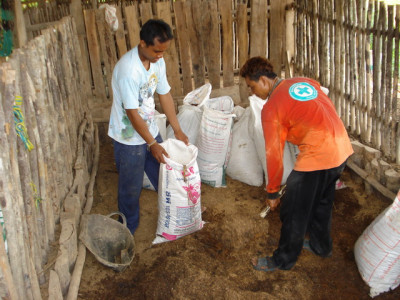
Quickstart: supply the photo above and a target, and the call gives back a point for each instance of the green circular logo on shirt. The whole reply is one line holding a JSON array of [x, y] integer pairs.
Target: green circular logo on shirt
[[303, 91]]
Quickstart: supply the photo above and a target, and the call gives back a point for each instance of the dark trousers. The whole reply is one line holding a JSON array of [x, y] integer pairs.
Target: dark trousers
[[132, 162], [306, 207]]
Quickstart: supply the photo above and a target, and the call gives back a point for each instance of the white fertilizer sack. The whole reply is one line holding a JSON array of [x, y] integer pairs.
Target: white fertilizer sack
[[377, 251], [244, 164], [189, 115], [214, 140], [198, 96], [179, 193], [189, 118]]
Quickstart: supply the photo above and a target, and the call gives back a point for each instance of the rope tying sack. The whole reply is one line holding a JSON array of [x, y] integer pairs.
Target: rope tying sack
[[19, 122]]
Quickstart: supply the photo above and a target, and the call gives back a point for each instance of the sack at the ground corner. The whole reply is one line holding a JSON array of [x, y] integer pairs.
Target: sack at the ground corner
[[377, 251]]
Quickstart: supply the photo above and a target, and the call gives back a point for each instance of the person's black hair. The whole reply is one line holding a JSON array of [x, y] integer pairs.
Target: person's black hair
[[256, 67], [155, 29]]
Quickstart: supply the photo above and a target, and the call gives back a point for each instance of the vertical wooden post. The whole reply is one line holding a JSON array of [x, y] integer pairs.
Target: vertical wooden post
[[225, 9], [146, 12], [196, 48], [171, 56], [277, 14], [289, 39], [132, 25], [22, 37], [396, 101], [120, 34], [184, 51], [387, 100], [243, 41], [10, 289], [210, 31], [315, 37], [258, 28], [77, 13]]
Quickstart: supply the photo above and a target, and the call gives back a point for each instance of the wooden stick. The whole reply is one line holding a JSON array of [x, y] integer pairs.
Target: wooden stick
[[315, 44], [383, 69], [80, 261], [12, 205], [388, 121], [371, 180], [243, 45], [361, 57], [369, 128], [396, 102]]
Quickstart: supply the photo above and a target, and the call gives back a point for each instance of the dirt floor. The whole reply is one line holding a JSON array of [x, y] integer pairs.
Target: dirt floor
[[214, 263]]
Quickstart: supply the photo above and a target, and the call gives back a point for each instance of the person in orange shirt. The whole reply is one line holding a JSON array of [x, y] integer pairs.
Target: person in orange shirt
[[299, 112]]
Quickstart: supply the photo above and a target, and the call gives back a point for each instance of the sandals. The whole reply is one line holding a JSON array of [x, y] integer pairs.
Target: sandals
[[265, 264]]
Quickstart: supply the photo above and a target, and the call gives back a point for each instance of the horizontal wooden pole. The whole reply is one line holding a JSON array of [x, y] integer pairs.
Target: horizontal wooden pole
[[371, 180]]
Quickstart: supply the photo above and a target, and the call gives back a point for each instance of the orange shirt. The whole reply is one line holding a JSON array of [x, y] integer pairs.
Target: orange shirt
[[299, 112]]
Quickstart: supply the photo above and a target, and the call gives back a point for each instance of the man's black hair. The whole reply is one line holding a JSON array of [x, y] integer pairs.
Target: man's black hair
[[256, 67], [155, 29]]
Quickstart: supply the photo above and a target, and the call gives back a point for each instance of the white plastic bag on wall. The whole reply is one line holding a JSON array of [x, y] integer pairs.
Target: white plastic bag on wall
[[110, 16], [244, 164], [189, 115], [214, 140], [377, 251], [179, 193], [290, 151]]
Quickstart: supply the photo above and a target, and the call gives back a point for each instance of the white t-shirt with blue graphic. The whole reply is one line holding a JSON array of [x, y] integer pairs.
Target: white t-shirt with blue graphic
[[133, 88]]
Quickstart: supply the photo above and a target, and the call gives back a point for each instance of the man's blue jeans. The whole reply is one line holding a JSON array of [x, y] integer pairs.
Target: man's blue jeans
[[132, 162]]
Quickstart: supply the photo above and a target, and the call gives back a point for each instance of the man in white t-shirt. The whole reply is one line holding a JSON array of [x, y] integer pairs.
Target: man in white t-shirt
[[137, 75]]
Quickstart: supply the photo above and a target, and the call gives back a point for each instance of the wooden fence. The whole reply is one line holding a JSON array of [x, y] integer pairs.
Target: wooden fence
[[213, 39], [44, 15], [47, 149], [352, 47]]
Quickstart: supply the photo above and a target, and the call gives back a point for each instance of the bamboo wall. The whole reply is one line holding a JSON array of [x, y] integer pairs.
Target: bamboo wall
[[352, 47], [47, 147]]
